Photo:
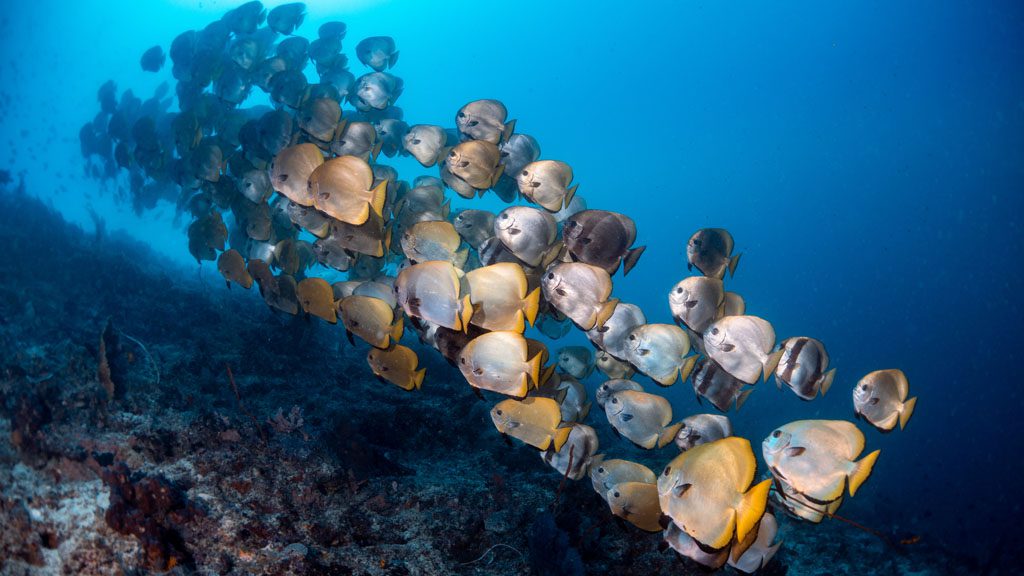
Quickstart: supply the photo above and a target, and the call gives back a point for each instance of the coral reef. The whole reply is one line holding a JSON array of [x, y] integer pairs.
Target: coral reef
[[297, 462]]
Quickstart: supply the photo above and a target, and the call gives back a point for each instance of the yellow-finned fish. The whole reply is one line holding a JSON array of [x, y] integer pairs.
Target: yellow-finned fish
[[398, 365], [535, 421]]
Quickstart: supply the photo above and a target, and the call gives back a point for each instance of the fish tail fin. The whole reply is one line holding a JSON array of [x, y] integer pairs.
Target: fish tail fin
[[497, 175], [861, 471], [605, 312], [569, 195], [687, 367], [733, 263], [826, 381], [510, 128], [907, 411], [772, 363], [460, 257], [466, 314], [379, 196], [668, 434], [534, 371], [397, 329], [553, 252], [741, 399], [560, 436], [393, 59], [584, 410], [519, 322], [632, 257], [546, 374], [752, 508], [417, 377], [531, 305]]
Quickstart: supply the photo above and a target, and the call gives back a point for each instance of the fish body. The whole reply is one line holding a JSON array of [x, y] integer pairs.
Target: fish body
[[528, 233], [742, 346], [426, 143], [573, 458], [433, 291], [232, 266], [291, 170], [398, 365], [611, 336], [686, 546], [317, 298], [580, 291], [697, 302], [500, 362], [475, 226], [710, 250], [660, 351], [357, 139], [484, 120], [376, 91], [343, 189], [434, 240], [637, 503], [803, 367], [761, 552], [818, 458], [612, 367], [707, 492], [603, 239], [535, 421], [284, 19], [475, 162], [716, 385], [500, 297], [153, 59], [642, 418], [377, 52], [319, 118], [576, 361], [546, 183], [371, 319], [701, 429], [881, 399], [605, 474]]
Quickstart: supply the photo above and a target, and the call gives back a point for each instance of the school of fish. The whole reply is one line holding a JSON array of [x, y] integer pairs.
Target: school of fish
[[277, 193]]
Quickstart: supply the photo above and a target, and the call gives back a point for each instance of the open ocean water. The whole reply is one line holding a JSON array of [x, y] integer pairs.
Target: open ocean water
[[867, 158]]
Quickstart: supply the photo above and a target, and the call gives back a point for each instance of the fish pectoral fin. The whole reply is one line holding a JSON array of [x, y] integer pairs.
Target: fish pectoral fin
[[728, 347], [795, 450]]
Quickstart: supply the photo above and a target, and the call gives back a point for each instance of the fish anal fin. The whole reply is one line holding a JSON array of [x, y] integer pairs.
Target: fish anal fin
[[560, 437], [741, 398], [687, 367], [510, 128], [378, 196], [417, 377], [569, 195]]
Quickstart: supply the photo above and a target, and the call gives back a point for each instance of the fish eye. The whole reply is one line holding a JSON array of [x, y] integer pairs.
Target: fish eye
[[616, 495], [679, 290], [714, 331], [551, 275], [600, 470], [504, 216], [667, 470], [498, 412], [526, 173], [615, 400], [632, 336], [463, 115], [451, 154], [777, 433]]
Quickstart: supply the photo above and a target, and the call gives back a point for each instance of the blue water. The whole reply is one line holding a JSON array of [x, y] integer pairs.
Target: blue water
[[868, 159]]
